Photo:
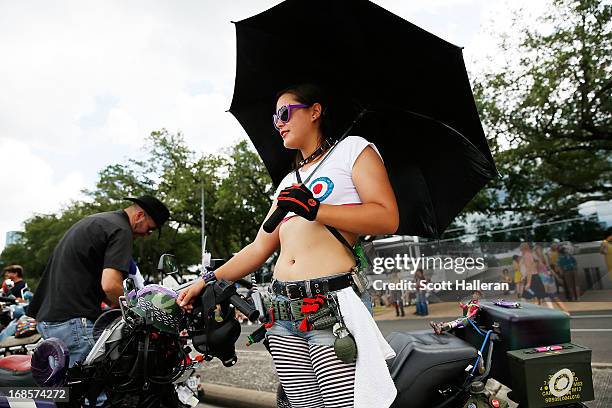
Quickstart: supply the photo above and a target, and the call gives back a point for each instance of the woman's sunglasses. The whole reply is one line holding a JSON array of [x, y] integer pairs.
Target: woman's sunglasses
[[284, 113]]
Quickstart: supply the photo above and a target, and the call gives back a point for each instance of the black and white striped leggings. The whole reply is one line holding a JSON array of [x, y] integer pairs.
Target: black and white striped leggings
[[311, 375]]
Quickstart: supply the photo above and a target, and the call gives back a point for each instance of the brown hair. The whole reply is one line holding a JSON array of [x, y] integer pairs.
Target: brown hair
[[18, 269], [309, 94]]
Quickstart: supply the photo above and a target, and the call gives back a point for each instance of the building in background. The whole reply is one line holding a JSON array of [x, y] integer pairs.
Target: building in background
[[12, 237]]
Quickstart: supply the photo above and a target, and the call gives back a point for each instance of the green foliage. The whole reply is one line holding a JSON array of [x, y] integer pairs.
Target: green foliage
[[237, 192], [548, 115]]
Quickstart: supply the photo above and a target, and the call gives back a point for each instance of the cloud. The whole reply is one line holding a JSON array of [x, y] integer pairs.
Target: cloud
[[29, 186], [84, 84]]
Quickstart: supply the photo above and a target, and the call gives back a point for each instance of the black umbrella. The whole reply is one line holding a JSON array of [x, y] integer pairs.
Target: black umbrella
[[412, 86]]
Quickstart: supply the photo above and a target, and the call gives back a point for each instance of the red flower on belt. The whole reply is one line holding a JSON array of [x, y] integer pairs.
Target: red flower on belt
[[310, 306]]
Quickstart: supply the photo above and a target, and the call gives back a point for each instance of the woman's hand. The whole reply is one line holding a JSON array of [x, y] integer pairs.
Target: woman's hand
[[299, 200], [186, 296]]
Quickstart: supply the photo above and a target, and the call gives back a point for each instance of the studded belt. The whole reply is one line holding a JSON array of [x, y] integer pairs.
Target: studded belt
[[313, 287]]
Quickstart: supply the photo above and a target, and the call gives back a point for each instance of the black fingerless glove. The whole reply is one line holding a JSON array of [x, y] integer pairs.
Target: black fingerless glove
[[299, 200]]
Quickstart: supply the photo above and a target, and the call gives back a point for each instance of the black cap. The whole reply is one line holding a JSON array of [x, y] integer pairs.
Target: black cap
[[153, 207]]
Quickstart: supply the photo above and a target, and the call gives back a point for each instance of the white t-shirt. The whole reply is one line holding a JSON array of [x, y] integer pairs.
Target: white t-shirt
[[333, 182]]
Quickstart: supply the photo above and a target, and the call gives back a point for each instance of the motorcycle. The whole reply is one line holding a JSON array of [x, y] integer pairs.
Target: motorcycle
[[141, 351], [525, 347], [16, 343]]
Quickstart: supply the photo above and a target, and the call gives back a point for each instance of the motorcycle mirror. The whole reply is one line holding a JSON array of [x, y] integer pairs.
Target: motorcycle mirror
[[167, 264], [128, 286]]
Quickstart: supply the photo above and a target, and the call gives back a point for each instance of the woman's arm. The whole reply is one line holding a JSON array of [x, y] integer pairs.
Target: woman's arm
[[244, 262], [378, 213]]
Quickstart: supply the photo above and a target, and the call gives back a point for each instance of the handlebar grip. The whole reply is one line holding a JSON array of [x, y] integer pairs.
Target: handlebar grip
[[275, 219], [245, 307]]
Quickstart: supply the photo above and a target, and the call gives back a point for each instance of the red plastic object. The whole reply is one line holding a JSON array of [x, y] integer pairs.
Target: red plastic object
[[16, 362]]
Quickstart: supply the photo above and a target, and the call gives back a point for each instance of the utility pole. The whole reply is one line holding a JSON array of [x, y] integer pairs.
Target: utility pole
[[205, 255]]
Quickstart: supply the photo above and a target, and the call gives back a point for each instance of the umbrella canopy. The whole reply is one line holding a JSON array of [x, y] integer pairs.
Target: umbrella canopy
[[421, 111]]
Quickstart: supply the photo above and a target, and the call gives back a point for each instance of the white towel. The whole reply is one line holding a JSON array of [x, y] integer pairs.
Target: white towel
[[374, 386]]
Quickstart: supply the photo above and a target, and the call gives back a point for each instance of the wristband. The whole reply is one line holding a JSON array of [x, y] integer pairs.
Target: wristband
[[209, 276]]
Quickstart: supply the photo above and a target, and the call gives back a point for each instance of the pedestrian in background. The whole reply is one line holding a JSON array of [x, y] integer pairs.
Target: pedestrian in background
[[421, 294], [568, 266], [398, 302], [606, 250], [506, 279], [533, 284], [518, 276]]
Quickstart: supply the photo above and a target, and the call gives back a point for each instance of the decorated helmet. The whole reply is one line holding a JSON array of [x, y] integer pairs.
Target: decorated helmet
[[160, 304]]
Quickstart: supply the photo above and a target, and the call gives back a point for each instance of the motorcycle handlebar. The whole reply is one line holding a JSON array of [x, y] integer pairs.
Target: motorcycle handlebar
[[249, 311]]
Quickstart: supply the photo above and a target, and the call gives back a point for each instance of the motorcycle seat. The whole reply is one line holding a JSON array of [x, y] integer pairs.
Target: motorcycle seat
[[425, 363], [16, 363], [12, 341], [15, 371]]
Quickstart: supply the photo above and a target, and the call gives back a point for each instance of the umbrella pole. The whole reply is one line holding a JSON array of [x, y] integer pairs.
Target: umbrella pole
[[344, 135], [277, 216]]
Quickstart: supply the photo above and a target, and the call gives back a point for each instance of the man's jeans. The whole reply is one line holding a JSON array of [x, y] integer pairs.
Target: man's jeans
[[76, 333], [11, 328]]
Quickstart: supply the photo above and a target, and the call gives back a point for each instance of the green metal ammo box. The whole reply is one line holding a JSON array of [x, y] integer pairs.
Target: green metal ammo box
[[528, 326], [551, 378]]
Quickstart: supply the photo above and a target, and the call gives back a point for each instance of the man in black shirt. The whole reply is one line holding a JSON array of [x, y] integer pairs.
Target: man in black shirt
[[87, 267], [15, 274]]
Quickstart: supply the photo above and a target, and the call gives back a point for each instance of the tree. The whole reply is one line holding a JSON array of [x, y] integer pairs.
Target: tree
[[244, 195], [237, 191], [549, 116]]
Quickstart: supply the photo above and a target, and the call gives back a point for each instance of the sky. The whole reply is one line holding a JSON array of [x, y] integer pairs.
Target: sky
[[83, 83]]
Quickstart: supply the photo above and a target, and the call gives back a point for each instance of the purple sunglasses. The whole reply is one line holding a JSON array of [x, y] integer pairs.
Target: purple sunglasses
[[284, 113]]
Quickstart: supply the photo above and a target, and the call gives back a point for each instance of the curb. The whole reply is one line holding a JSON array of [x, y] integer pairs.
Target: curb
[[237, 397], [601, 365]]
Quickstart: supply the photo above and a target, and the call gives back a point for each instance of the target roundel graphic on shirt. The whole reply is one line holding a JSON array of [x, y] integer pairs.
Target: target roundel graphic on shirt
[[321, 188]]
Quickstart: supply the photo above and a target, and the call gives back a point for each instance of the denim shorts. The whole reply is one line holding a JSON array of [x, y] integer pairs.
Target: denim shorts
[[323, 337]]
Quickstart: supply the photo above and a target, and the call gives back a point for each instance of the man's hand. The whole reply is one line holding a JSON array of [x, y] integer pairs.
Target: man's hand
[[187, 296], [299, 199]]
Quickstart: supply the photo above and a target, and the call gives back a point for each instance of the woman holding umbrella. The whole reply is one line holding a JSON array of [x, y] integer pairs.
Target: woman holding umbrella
[[350, 192]]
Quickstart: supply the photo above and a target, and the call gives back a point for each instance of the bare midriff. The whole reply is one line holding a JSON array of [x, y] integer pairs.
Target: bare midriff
[[308, 250]]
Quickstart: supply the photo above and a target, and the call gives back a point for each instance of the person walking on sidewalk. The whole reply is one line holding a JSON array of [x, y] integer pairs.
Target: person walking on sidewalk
[[533, 284], [606, 250], [568, 266], [421, 294], [398, 303], [517, 276], [352, 193]]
